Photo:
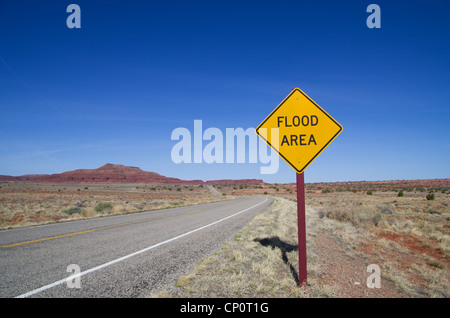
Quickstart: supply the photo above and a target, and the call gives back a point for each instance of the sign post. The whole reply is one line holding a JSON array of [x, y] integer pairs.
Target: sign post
[[299, 130], [301, 221]]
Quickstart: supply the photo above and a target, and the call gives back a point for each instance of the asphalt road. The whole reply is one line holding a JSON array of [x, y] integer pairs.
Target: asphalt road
[[130, 255]]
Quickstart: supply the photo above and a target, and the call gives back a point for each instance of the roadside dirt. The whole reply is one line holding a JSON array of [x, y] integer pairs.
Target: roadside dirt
[[346, 272]]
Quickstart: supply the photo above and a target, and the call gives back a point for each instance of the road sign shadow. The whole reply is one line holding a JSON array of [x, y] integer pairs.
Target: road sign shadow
[[275, 242]]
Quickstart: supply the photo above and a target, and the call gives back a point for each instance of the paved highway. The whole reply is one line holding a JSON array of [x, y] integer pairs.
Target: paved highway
[[118, 256]]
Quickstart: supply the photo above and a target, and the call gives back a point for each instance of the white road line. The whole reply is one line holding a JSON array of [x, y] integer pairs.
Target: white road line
[[62, 281]]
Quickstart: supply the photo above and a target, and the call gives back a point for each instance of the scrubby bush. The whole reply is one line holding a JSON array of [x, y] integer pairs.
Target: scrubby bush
[[420, 189], [385, 208], [72, 210], [433, 211], [430, 196], [321, 213], [359, 217], [103, 206], [400, 193]]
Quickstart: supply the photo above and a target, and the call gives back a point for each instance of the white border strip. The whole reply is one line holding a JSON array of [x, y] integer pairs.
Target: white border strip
[[62, 281]]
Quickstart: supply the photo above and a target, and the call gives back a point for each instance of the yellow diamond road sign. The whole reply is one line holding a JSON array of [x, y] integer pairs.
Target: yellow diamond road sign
[[299, 130]]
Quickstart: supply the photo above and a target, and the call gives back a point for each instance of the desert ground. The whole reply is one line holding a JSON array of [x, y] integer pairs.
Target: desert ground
[[401, 226], [25, 204]]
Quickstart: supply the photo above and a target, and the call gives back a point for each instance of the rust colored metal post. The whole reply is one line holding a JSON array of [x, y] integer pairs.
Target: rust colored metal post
[[301, 229]]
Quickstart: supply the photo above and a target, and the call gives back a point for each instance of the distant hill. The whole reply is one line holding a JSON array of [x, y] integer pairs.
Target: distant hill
[[115, 173]]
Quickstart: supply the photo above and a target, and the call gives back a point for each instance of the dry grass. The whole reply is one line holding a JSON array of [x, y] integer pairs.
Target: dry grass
[[260, 262], [23, 204], [392, 217], [410, 238]]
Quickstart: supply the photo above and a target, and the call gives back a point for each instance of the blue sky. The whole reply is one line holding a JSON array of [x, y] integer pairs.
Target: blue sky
[[114, 90]]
